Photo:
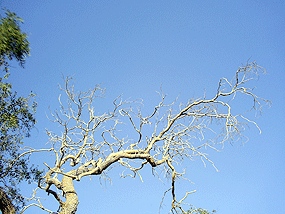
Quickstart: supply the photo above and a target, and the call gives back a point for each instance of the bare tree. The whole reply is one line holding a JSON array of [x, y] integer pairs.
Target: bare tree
[[90, 143]]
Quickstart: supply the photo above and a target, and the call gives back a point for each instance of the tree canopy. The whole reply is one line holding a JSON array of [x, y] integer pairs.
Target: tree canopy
[[13, 42], [16, 117]]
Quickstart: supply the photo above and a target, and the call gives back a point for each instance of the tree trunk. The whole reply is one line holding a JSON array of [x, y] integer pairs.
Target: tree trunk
[[6, 205], [71, 203]]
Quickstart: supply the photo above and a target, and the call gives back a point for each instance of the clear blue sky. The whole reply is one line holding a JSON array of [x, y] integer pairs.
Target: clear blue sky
[[132, 47]]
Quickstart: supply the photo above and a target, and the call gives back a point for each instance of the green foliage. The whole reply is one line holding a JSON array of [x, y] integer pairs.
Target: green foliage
[[13, 42], [16, 113]]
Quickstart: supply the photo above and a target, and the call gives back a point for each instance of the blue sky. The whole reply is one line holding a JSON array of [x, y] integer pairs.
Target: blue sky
[[134, 47]]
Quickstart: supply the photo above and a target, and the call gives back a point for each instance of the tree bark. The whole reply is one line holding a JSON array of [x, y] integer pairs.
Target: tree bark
[[71, 203], [6, 205]]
